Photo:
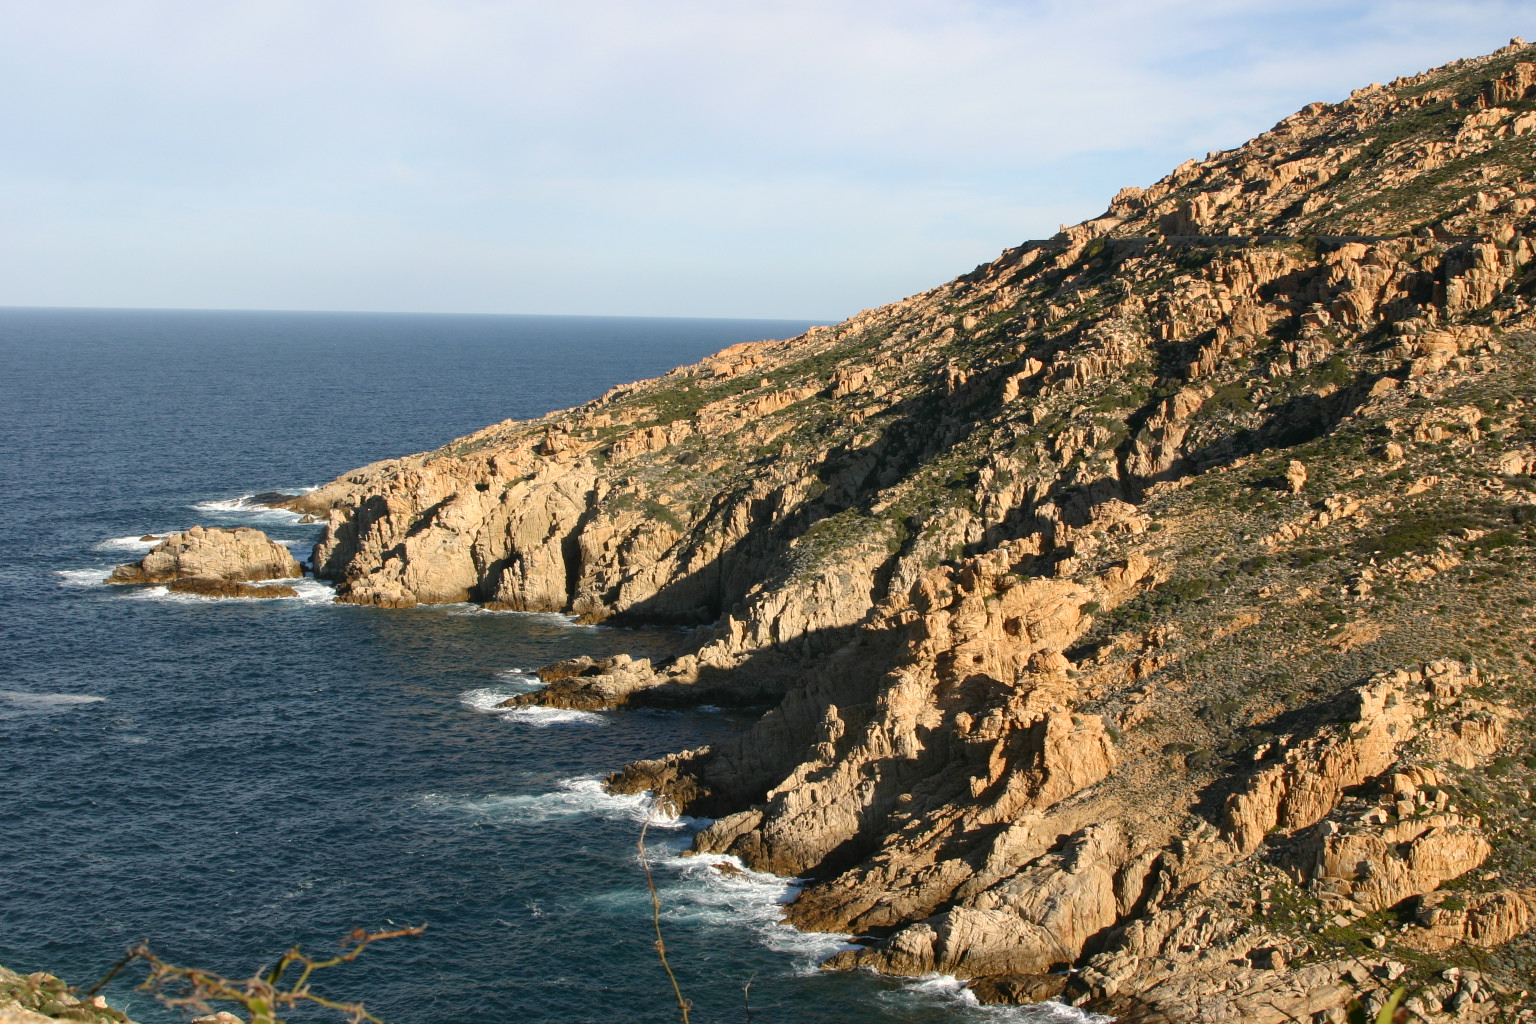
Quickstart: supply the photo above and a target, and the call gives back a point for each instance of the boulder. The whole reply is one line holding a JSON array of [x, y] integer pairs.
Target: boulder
[[212, 553]]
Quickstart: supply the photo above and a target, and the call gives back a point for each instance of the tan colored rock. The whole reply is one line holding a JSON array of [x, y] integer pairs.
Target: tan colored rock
[[926, 538], [1295, 476], [212, 553], [1448, 920], [1377, 870], [1313, 774], [41, 998]]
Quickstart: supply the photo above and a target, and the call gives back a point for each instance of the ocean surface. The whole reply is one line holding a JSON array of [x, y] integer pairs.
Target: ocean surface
[[228, 778]]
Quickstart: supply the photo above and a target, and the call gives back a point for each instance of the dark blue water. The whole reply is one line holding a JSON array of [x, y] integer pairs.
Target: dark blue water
[[226, 779]]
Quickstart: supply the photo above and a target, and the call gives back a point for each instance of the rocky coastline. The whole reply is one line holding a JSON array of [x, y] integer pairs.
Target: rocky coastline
[[1143, 618]]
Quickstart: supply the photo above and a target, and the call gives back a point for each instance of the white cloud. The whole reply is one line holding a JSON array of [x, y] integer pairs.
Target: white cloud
[[757, 157]]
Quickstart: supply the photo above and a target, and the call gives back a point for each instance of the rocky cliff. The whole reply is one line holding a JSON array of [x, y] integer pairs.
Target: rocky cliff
[[1151, 601]]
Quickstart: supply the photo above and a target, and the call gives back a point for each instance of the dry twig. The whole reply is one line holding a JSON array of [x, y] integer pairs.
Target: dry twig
[[260, 995], [683, 1005]]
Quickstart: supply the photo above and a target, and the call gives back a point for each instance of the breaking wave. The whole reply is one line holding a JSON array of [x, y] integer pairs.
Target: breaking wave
[[245, 506], [575, 798], [134, 543], [83, 577], [18, 703]]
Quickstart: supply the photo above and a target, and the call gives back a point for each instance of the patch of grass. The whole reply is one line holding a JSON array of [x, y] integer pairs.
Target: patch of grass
[[1229, 398], [1413, 535]]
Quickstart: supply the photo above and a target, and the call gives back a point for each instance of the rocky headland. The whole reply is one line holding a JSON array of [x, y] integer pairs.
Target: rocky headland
[[1142, 619]]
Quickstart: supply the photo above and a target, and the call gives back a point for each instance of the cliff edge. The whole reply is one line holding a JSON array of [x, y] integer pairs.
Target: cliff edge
[[1151, 601]]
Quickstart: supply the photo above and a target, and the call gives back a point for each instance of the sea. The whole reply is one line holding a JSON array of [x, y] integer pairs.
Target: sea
[[226, 779]]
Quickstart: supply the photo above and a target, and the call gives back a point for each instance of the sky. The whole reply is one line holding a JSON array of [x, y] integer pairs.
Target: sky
[[731, 158]]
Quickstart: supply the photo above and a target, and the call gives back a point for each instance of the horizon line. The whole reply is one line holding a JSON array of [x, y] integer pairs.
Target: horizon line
[[396, 312]]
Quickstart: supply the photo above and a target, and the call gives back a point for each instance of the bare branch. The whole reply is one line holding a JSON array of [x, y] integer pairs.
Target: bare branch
[[683, 1005], [259, 995]]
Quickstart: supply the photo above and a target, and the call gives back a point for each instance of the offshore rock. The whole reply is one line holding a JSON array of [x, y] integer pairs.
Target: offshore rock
[[212, 553]]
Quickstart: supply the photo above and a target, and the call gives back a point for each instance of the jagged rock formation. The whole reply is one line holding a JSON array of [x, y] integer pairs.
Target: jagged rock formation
[[1149, 601], [215, 562]]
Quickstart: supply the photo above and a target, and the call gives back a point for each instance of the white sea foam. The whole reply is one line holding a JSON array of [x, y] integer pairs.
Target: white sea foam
[[514, 682], [307, 591], [134, 543], [716, 890], [488, 699], [162, 594], [574, 798], [312, 591], [552, 618], [948, 991], [542, 718], [16, 703], [83, 577], [246, 508]]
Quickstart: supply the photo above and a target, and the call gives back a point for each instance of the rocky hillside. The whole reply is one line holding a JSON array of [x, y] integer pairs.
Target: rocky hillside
[[1152, 601]]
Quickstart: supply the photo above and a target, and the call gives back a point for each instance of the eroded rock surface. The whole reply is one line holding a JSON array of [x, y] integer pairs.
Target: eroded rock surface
[[208, 554], [1150, 601]]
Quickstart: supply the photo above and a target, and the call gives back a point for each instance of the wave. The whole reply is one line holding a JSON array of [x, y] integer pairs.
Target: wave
[[542, 718], [134, 543], [245, 507], [514, 682], [83, 577], [488, 699], [309, 591], [946, 991], [17, 703], [552, 618], [717, 890], [575, 798]]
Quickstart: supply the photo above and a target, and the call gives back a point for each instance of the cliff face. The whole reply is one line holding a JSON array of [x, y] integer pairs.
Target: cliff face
[[1151, 600]]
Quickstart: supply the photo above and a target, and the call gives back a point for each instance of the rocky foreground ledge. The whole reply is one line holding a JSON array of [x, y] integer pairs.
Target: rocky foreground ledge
[[1144, 617], [43, 999]]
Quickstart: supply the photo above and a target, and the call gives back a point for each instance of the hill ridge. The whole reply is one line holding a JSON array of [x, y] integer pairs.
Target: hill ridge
[[1149, 600]]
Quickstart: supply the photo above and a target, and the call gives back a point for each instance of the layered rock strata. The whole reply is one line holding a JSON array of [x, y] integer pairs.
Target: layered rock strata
[[1148, 602]]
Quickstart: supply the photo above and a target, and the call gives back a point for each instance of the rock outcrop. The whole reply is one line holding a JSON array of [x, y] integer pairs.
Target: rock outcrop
[[41, 998], [1148, 602], [215, 562]]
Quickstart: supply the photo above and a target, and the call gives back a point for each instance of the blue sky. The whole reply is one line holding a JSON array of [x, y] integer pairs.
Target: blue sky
[[772, 158]]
